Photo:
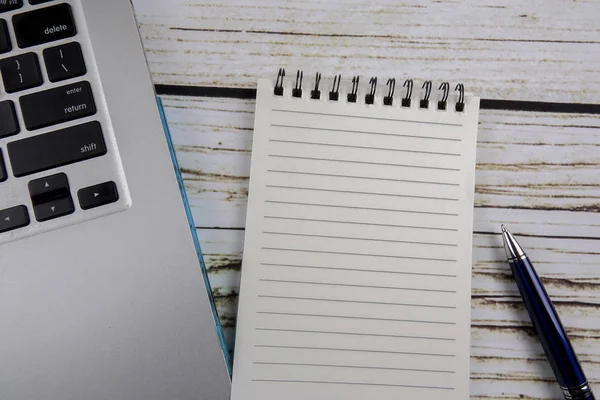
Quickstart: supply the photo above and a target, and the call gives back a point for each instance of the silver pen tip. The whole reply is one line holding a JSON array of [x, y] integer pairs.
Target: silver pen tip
[[512, 248]]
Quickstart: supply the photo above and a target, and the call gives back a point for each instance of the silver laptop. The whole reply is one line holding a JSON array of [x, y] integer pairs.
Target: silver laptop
[[101, 291]]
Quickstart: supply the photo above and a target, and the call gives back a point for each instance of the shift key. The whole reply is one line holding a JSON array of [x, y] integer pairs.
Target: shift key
[[54, 106], [55, 149]]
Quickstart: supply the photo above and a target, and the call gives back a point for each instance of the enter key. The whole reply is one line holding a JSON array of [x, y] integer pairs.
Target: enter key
[[58, 105]]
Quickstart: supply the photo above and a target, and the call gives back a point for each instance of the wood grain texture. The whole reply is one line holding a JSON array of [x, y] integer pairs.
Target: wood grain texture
[[507, 361], [500, 49], [538, 173], [535, 172]]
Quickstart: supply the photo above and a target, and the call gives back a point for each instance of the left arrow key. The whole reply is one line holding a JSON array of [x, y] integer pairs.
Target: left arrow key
[[13, 218]]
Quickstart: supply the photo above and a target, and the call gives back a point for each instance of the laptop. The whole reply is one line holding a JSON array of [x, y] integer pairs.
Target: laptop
[[102, 295]]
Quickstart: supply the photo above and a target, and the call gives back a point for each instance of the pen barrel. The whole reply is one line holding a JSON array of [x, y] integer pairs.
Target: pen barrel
[[552, 335]]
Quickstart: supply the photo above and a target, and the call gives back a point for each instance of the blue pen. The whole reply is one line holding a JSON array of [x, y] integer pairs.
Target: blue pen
[[546, 322]]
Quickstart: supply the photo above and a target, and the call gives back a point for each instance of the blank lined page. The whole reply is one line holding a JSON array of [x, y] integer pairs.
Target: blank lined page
[[356, 275]]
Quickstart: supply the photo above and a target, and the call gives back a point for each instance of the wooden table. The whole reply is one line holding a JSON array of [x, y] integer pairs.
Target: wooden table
[[538, 171]]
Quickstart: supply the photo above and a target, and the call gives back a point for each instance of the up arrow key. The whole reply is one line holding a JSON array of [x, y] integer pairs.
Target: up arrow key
[[7, 219]]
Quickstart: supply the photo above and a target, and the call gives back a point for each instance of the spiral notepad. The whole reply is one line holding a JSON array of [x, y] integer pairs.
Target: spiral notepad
[[356, 276]]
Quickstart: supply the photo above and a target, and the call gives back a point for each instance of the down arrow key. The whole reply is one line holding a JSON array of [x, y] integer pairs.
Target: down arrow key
[[54, 209]]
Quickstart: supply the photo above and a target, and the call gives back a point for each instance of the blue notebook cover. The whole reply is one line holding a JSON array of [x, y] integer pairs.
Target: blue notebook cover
[[194, 235]]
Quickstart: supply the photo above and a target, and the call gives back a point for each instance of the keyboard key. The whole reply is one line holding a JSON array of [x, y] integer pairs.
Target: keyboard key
[[54, 209], [8, 119], [49, 188], [9, 5], [98, 195], [34, 2], [5, 45], [54, 106], [44, 25], [3, 174], [13, 218], [21, 72], [64, 62], [55, 149], [51, 197]]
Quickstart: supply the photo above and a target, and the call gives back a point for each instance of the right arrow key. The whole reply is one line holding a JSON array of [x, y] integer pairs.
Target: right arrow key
[[98, 195]]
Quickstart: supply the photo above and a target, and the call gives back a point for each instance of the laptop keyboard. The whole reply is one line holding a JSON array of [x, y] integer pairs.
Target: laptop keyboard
[[59, 164]]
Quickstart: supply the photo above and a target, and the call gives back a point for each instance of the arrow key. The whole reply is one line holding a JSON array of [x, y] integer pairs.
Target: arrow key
[[98, 195], [3, 175], [51, 197], [13, 218], [45, 189], [54, 209]]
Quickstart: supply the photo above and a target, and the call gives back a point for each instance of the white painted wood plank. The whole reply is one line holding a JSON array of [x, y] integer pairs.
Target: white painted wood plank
[[568, 268], [501, 49], [510, 363], [506, 358], [214, 137], [222, 252], [537, 172]]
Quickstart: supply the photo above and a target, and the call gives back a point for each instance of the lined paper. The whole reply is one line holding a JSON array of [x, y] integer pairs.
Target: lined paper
[[356, 275]]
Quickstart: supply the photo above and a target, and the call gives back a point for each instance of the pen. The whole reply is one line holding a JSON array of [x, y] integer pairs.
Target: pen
[[552, 335]]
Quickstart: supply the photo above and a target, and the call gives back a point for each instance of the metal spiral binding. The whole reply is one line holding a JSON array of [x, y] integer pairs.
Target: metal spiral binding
[[352, 95], [408, 84], [297, 90], [334, 95], [445, 86], [316, 93], [424, 103], [278, 90], [388, 99], [460, 104], [370, 97]]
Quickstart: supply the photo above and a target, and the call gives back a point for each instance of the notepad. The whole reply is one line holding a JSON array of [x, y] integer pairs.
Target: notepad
[[356, 274]]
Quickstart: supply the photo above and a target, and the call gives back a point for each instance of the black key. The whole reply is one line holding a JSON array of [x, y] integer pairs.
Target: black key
[[54, 106], [34, 2], [8, 119], [13, 218], [54, 209], [9, 5], [5, 45], [21, 72], [44, 25], [51, 197], [55, 149], [64, 62], [49, 188], [3, 174], [98, 195]]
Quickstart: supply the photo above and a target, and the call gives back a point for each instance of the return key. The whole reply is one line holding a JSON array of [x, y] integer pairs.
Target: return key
[[54, 106]]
